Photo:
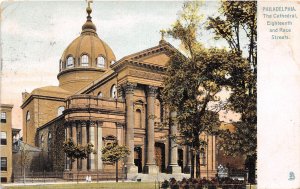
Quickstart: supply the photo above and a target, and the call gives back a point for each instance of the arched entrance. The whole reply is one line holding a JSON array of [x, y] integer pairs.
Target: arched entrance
[[180, 158], [138, 158]]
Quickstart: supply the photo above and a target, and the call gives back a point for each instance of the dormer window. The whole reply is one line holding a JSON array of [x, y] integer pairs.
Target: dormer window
[[85, 60], [70, 62], [100, 62]]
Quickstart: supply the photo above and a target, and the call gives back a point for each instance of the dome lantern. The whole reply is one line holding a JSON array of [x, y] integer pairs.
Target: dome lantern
[[89, 25]]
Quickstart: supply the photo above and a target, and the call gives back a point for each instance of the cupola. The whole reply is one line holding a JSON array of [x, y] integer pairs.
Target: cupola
[[85, 59]]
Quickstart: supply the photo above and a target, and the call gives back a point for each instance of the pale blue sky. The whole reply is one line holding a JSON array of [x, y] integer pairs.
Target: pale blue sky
[[35, 34]]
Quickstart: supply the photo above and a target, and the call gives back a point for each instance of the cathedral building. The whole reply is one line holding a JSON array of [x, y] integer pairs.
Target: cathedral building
[[99, 100]]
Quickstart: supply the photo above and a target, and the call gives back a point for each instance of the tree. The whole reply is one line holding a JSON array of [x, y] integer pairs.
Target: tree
[[238, 19], [77, 151], [113, 153], [25, 159], [193, 81]]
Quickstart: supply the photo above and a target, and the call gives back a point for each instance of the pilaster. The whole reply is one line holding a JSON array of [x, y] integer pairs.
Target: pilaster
[[84, 142], [74, 137], [100, 145], [92, 140]]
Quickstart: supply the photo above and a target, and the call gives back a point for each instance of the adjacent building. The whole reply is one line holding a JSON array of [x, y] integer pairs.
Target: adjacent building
[[6, 142]]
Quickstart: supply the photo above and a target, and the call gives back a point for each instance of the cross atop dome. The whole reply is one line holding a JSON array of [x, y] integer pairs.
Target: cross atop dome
[[89, 27], [89, 9]]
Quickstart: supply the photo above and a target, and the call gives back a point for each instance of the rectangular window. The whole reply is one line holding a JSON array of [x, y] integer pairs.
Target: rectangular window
[[3, 117], [3, 179], [3, 163], [3, 138]]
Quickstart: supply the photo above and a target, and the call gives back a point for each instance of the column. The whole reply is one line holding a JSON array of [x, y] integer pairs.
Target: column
[[173, 164], [92, 140], [84, 142], [187, 163], [67, 131], [129, 90], [100, 145], [151, 166], [74, 136]]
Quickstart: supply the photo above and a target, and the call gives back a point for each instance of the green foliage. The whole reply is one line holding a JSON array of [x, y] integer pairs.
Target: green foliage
[[239, 17], [78, 151], [191, 84], [239, 142], [194, 81], [114, 152]]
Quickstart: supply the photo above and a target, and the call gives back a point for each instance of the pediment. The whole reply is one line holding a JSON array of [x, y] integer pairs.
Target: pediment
[[155, 58], [160, 59]]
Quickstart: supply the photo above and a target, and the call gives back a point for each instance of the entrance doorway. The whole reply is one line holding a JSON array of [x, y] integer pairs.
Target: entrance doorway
[[138, 158], [160, 156], [180, 158]]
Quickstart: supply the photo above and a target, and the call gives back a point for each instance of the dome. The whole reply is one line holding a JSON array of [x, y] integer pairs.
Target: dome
[[87, 50], [90, 45], [85, 59]]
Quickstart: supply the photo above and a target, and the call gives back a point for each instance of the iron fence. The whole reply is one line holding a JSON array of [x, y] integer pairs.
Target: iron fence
[[37, 177]]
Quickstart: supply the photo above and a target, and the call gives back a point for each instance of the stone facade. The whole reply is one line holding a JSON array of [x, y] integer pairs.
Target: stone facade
[[104, 101]]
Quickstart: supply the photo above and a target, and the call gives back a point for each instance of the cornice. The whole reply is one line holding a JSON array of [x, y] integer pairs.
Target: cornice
[[76, 69], [6, 106], [31, 97], [134, 57], [87, 96], [94, 110], [50, 122], [152, 67]]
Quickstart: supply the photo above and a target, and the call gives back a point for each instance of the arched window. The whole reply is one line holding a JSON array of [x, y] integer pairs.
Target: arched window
[[202, 156], [100, 95], [85, 60], [113, 92], [27, 116], [70, 62], [138, 119], [100, 62], [60, 110]]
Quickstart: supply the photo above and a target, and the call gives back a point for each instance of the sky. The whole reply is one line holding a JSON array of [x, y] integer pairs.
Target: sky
[[34, 35]]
